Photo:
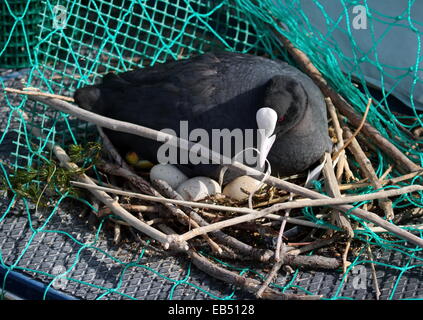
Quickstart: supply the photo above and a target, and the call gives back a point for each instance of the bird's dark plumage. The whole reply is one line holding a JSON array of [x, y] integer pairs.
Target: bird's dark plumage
[[216, 91]]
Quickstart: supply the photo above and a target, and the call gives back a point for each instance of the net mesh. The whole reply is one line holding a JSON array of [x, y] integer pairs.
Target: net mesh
[[78, 41]]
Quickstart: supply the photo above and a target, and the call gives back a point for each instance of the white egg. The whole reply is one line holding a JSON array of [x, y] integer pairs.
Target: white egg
[[168, 173], [198, 188], [247, 183]]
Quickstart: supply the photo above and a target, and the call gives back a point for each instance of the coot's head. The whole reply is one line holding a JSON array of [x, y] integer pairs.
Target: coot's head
[[285, 103], [287, 97], [89, 98]]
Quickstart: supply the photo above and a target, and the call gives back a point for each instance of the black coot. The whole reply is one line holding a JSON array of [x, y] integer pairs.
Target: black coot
[[216, 91]]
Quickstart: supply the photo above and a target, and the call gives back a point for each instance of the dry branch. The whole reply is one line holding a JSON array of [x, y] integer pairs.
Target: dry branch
[[312, 262], [314, 245], [356, 132], [297, 221], [374, 275], [391, 181], [368, 171], [36, 92], [248, 284], [342, 164], [333, 190]]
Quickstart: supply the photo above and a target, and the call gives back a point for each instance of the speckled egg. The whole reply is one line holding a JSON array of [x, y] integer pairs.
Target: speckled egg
[[168, 173], [198, 188], [247, 183]]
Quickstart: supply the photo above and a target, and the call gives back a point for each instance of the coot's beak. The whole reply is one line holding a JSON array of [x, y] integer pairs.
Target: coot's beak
[[266, 122]]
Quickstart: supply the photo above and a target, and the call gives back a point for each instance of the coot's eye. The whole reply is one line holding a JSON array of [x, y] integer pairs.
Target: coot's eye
[[281, 119]]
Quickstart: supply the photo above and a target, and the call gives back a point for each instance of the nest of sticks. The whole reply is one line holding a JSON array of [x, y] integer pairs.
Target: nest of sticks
[[274, 233]]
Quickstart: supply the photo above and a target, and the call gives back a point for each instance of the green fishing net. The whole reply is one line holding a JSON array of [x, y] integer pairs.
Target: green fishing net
[[64, 45]]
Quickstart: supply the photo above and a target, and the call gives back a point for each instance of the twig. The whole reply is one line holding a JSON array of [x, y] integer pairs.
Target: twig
[[276, 219], [120, 222], [372, 266], [349, 175], [166, 229], [403, 178], [297, 244], [369, 172], [269, 202], [353, 186], [391, 181], [140, 208], [155, 221], [296, 221], [110, 148], [236, 166], [344, 107], [314, 245], [161, 199], [33, 92], [356, 132], [417, 227], [252, 214], [341, 166], [272, 274], [146, 243], [345, 255], [295, 260], [279, 254], [130, 207], [312, 262], [251, 285], [385, 174], [117, 209], [279, 244], [333, 190]]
